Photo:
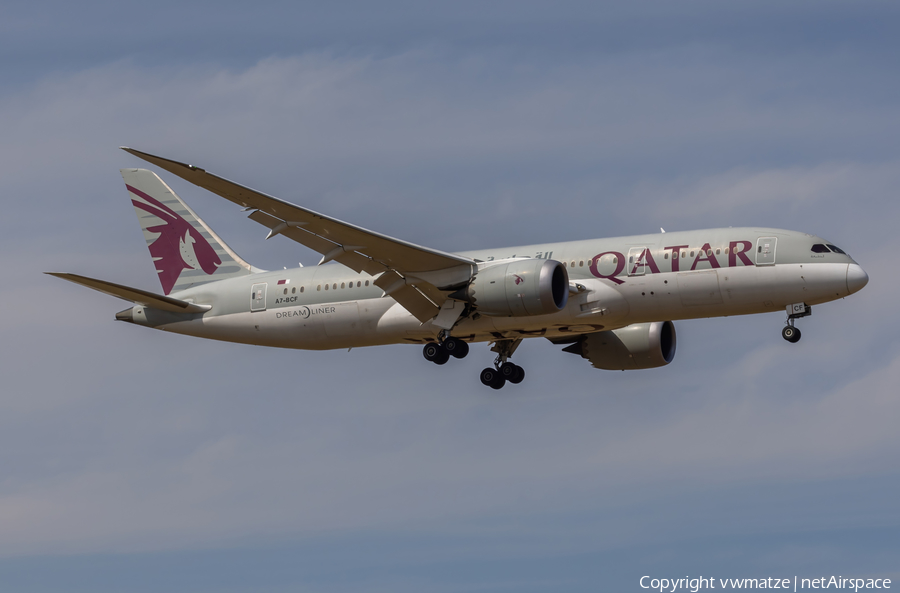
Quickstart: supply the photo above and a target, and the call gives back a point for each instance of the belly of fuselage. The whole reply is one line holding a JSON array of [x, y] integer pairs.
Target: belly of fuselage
[[654, 297]]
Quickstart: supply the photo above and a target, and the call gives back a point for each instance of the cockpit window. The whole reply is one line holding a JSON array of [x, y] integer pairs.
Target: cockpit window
[[836, 249], [819, 248]]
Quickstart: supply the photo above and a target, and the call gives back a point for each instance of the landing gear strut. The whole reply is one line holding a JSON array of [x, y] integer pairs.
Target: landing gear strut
[[795, 311], [504, 370]]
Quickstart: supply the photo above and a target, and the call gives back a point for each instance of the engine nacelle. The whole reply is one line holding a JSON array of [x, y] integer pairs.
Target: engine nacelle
[[637, 346], [518, 288]]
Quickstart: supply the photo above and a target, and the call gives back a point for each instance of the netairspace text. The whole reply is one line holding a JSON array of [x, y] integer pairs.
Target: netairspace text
[[790, 584]]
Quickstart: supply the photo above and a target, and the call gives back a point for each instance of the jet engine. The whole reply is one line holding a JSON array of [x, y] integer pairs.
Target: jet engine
[[518, 288], [637, 346]]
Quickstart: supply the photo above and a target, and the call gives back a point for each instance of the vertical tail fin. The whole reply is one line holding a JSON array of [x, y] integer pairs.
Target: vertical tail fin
[[185, 251]]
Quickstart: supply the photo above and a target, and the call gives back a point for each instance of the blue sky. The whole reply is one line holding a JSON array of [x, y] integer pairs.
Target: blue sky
[[133, 460]]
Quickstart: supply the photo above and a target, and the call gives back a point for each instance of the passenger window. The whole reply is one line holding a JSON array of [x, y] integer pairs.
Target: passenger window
[[294, 290], [692, 253], [358, 284], [343, 285], [573, 263], [285, 291], [718, 251], [319, 287], [666, 255], [301, 289], [367, 282], [581, 264], [326, 287], [836, 249], [708, 252], [683, 254], [334, 286]]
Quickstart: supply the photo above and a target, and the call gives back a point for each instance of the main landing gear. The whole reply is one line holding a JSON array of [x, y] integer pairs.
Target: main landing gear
[[497, 376], [504, 370], [440, 352], [795, 311]]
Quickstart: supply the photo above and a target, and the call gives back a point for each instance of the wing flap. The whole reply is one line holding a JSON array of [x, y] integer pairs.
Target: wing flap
[[411, 299], [409, 296], [431, 293], [134, 295]]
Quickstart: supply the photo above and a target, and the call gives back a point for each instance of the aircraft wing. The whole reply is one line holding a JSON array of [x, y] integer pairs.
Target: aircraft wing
[[411, 274]]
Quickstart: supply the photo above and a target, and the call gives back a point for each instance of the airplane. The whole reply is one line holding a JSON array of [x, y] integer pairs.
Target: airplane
[[611, 301]]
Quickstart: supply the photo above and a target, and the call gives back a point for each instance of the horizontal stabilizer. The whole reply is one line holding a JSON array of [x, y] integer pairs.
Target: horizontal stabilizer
[[135, 295]]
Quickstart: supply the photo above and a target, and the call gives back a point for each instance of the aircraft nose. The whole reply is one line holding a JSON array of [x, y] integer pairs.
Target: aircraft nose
[[856, 278]]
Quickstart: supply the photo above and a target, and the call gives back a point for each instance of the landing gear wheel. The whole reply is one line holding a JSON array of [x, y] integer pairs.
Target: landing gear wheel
[[508, 370], [456, 347], [791, 334], [512, 372], [435, 353], [431, 351], [492, 378]]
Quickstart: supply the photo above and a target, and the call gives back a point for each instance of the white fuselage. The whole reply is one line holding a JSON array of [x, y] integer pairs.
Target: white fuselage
[[614, 283]]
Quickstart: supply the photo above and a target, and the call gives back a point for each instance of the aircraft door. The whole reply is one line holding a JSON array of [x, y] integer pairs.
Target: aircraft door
[[258, 297], [765, 251], [636, 263]]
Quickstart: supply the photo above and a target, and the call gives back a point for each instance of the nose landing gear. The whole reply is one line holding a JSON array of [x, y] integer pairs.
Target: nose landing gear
[[795, 311], [791, 333]]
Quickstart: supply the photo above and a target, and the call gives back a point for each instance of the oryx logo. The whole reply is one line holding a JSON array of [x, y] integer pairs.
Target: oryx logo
[[519, 279], [179, 246]]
